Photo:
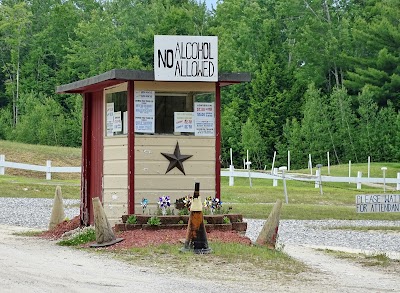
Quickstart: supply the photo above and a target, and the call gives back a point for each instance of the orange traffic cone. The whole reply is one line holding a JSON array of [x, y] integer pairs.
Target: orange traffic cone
[[196, 236]]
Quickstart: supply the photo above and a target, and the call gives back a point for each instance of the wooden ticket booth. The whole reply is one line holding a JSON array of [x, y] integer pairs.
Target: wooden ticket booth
[[148, 134]]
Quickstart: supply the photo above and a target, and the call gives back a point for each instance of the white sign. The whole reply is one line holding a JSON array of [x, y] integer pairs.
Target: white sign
[[117, 125], [183, 122], [204, 119], [110, 119], [186, 58], [144, 111], [378, 203]]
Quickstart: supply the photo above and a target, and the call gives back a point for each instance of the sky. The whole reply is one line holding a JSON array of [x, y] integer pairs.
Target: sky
[[210, 3]]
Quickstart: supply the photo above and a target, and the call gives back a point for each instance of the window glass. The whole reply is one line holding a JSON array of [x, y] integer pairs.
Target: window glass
[[116, 113]]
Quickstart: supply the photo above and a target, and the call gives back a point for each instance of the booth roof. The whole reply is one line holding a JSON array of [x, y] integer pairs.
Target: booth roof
[[117, 76]]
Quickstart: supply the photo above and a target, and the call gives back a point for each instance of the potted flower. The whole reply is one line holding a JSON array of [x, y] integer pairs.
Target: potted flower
[[211, 208], [167, 216]]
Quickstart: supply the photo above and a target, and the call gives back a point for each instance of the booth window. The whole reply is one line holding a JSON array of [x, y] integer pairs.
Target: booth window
[[166, 106], [116, 113]]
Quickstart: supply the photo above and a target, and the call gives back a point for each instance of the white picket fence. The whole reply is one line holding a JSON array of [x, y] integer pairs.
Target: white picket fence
[[48, 169], [276, 175]]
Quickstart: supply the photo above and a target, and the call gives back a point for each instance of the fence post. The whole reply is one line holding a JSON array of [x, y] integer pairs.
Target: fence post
[[349, 171], [317, 174], [384, 178], [288, 161], [398, 181], [310, 163], [283, 169], [329, 163], [48, 171], [369, 166], [2, 169], [273, 163], [231, 177], [359, 175], [275, 181]]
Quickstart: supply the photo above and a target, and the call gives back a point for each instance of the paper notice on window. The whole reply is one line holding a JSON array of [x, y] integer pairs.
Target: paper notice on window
[[117, 125], [183, 122], [144, 111], [110, 119], [125, 122], [144, 124], [204, 119]]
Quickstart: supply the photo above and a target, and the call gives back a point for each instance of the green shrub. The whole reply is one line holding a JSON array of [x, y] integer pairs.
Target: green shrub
[[154, 221], [87, 235], [131, 219]]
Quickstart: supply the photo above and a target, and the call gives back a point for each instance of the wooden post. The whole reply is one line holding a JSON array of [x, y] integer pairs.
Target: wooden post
[[283, 169], [231, 170], [269, 232], [288, 160], [317, 175], [310, 163]]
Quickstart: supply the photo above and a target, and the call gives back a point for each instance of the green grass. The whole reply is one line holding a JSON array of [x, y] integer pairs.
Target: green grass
[[88, 235], [366, 228], [30, 233], [375, 260], [223, 254]]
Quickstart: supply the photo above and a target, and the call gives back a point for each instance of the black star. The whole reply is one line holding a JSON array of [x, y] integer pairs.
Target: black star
[[176, 159]]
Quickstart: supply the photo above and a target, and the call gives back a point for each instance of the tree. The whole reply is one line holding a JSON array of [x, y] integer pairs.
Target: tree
[[14, 23], [253, 142]]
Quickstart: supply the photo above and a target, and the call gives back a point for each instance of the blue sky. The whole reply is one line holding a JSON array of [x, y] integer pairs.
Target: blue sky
[[210, 2]]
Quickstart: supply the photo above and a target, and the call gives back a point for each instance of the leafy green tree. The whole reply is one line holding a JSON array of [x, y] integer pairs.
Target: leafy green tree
[[253, 142], [376, 35], [14, 24]]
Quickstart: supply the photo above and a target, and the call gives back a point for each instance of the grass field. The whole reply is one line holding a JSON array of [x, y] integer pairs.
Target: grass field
[[305, 201]]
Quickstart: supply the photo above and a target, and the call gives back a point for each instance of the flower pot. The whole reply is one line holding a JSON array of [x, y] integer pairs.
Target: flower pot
[[239, 226]]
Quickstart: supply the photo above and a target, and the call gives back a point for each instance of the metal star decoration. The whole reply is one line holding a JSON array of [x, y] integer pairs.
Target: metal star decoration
[[176, 159]]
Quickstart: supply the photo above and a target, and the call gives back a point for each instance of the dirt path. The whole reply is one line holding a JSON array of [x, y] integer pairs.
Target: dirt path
[[34, 265], [338, 275]]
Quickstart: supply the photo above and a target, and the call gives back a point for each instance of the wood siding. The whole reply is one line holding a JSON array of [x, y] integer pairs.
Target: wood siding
[[151, 181], [115, 180]]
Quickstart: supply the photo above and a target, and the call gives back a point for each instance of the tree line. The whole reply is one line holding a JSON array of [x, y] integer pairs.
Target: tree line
[[325, 73]]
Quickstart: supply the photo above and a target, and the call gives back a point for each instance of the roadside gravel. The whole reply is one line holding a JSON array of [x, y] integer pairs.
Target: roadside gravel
[[35, 213]]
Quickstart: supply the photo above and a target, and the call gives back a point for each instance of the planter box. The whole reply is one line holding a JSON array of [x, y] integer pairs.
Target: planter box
[[170, 219], [234, 217], [142, 219], [130, 227], [185, 219], [119, 227], [223, 227], [214, 219], [164, 227], [239, 226]]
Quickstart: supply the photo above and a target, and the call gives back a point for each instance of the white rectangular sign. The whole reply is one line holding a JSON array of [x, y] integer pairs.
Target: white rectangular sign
[[204, 119], [186, 58], [183, 122], [378, 203], [144, 111]]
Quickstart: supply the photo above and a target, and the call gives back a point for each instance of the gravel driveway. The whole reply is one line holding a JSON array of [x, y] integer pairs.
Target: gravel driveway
[[35, 265], [35, 213]]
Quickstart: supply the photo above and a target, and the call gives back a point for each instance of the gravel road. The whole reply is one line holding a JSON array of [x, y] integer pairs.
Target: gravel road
[[35, 213], [36, 265]]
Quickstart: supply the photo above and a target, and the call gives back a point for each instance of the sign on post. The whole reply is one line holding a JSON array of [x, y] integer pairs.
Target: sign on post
[[378, 203], [186, 58]]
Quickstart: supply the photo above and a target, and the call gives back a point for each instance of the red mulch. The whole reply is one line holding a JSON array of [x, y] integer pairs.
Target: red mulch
[[142, 238], [61, 228]]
